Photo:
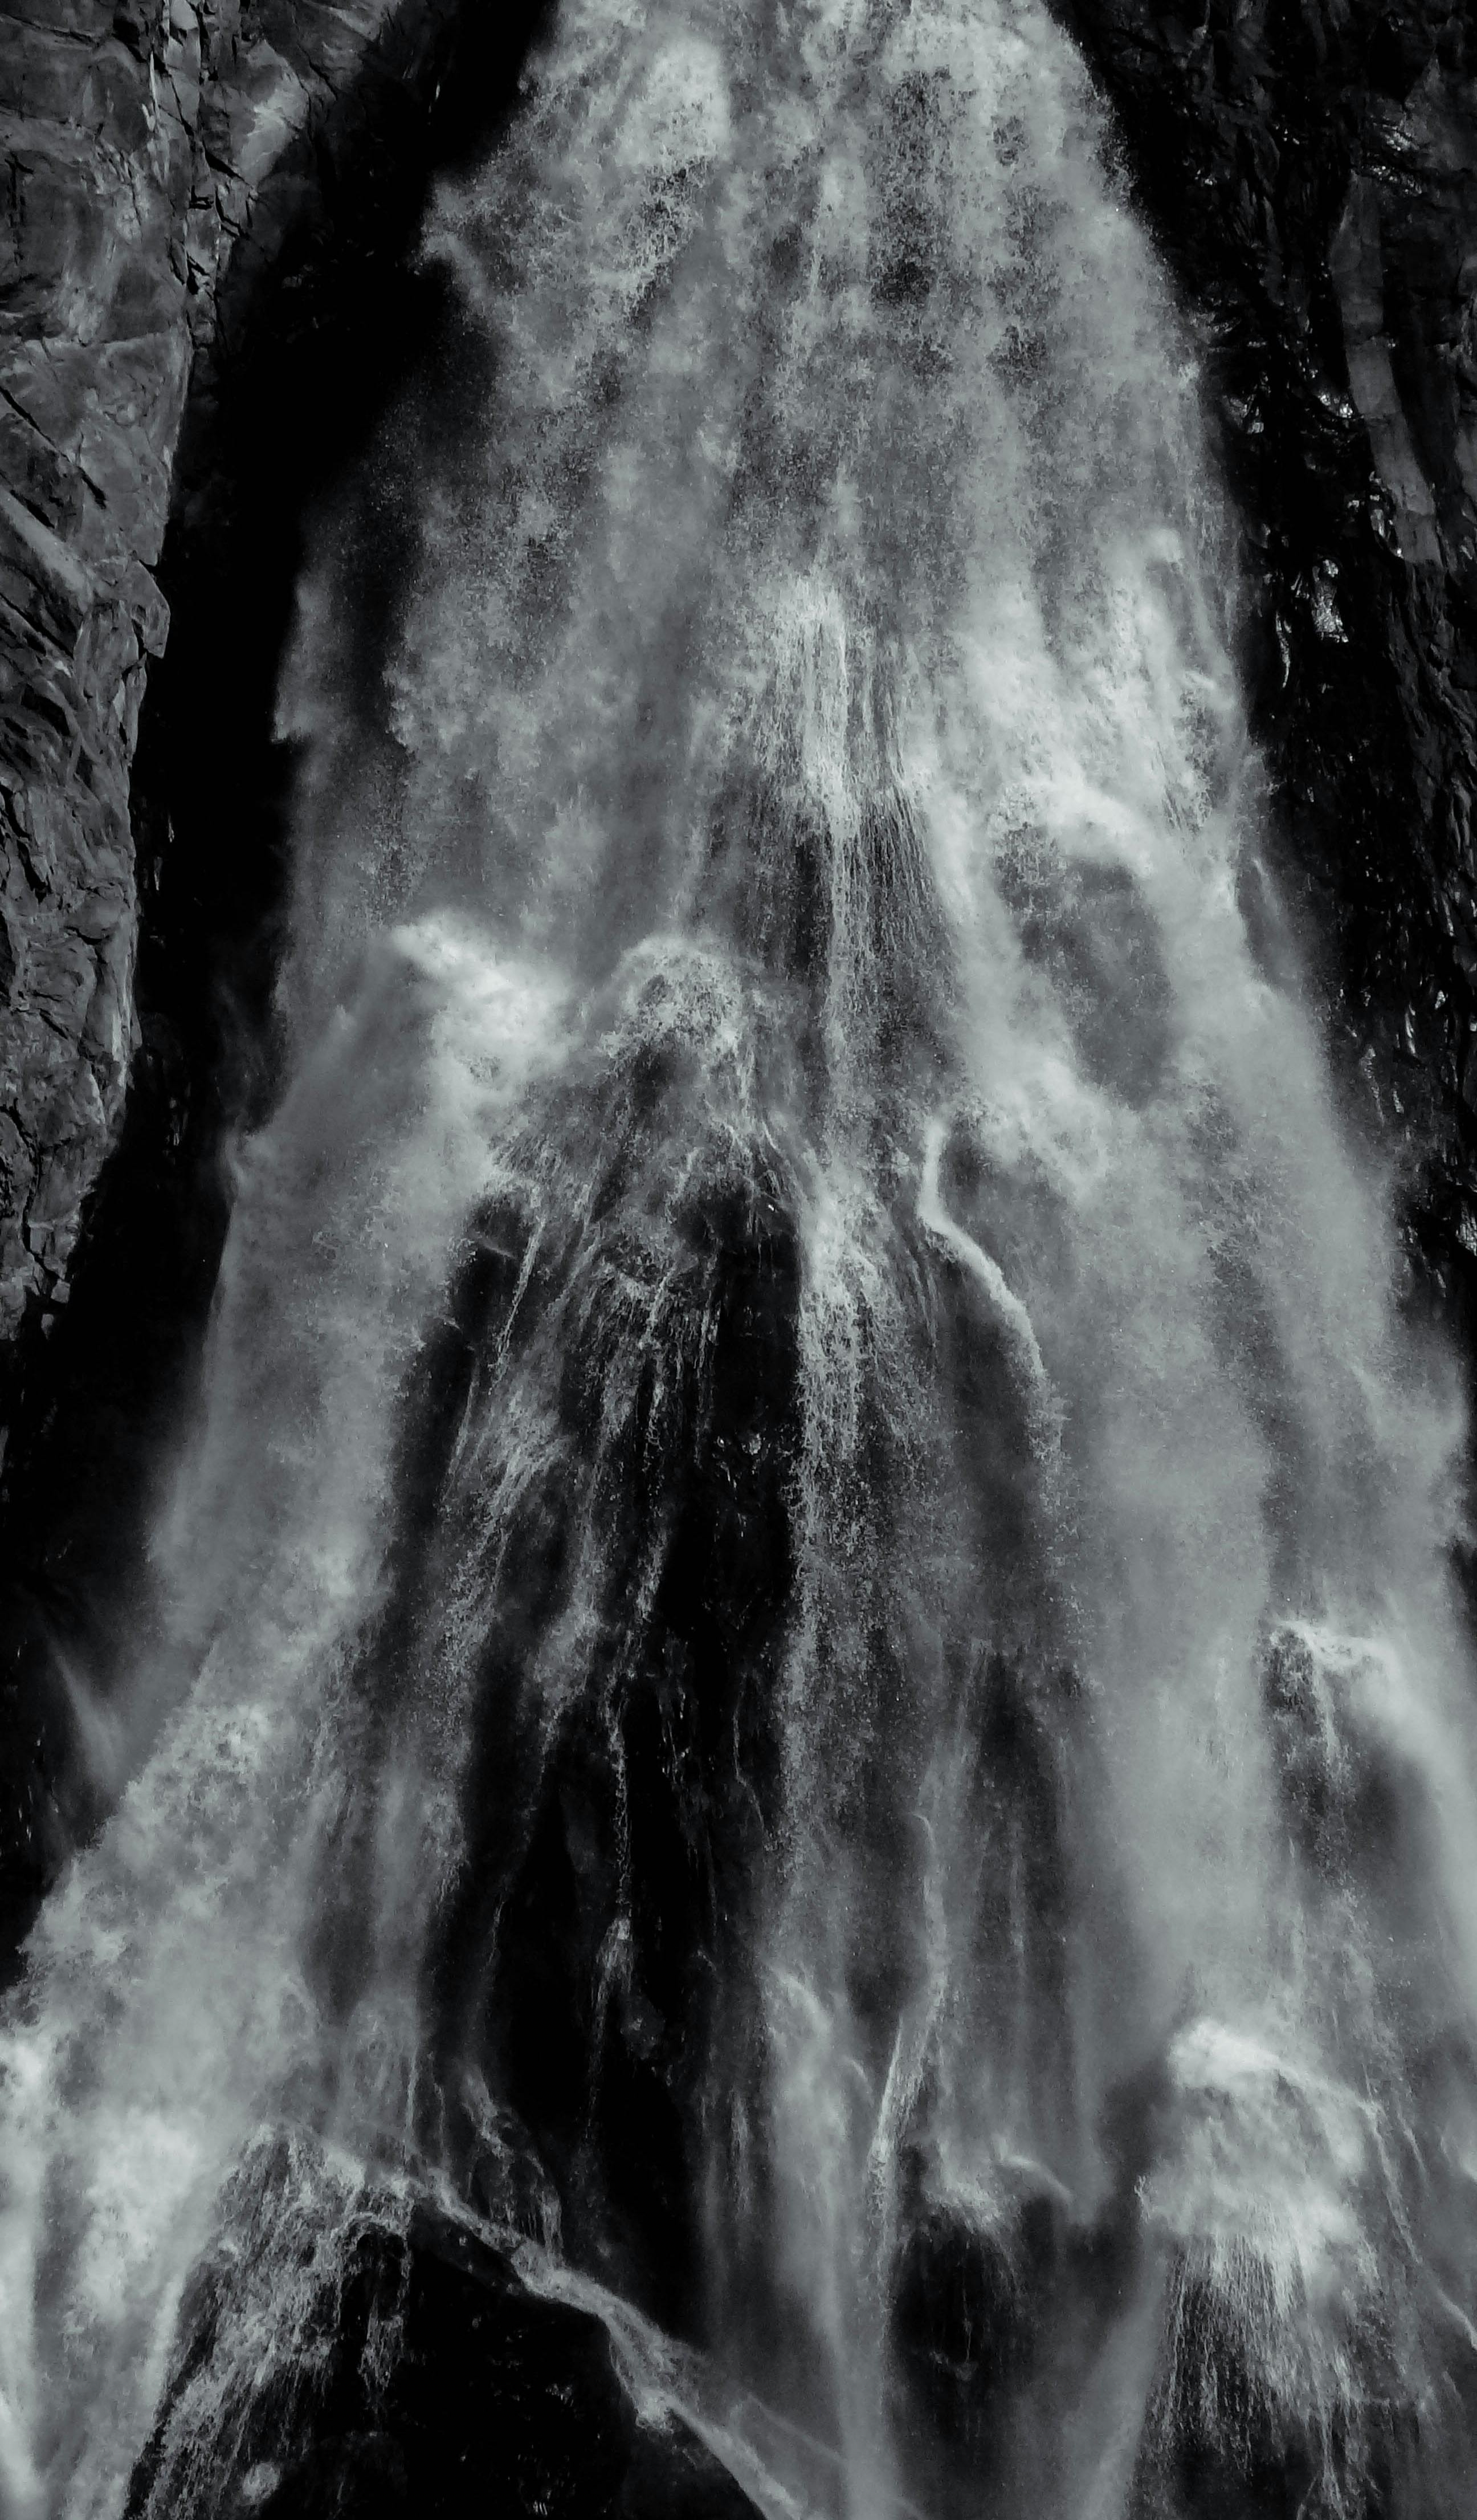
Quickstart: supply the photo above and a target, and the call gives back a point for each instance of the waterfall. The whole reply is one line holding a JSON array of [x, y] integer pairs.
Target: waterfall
[[812, 1669]]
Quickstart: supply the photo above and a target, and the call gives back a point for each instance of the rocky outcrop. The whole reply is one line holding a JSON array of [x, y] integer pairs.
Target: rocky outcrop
[[1312, 173], [152, 153], [416, 2372]]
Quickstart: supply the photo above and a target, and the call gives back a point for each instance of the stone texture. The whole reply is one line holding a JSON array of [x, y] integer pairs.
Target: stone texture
[[1312, 173], [146, 151]]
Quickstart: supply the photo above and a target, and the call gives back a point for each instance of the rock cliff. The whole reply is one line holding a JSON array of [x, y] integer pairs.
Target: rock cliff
[[155, 156]]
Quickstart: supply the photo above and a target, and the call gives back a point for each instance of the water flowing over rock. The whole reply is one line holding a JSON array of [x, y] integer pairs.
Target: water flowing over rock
[[809, 1785], [155, 162]]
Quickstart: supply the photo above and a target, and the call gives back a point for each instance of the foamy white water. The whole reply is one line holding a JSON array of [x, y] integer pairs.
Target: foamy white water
[[813, 863]]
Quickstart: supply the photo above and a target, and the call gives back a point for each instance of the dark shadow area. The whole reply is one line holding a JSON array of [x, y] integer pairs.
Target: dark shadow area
[[331, 343]]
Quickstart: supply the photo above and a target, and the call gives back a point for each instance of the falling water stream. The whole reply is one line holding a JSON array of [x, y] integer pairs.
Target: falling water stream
[[810, 1660]]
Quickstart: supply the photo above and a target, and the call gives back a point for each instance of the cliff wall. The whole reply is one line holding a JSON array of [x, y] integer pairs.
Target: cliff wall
[[155, 156]]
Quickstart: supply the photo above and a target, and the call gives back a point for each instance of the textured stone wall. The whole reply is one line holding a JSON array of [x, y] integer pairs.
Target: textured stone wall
[[148, 152]]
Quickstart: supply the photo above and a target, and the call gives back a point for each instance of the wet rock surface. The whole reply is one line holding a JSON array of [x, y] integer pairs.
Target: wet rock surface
[[436, 2382], [595, 1949], [1312, 176]]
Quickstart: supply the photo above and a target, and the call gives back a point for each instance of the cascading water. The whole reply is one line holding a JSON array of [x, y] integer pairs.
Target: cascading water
[[820, 1680]]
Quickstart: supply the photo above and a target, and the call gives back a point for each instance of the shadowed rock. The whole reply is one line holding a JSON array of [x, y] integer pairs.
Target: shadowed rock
[[428, 2381]]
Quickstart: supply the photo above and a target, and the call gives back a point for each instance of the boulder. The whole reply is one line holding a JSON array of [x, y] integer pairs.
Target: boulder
[[425, 2378]]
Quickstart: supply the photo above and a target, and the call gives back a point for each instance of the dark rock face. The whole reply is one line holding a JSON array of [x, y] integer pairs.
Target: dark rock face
[[163, 167], [423, 2376], [1312, 174], [595, 1949], [140, 150], [1218, 2446]]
